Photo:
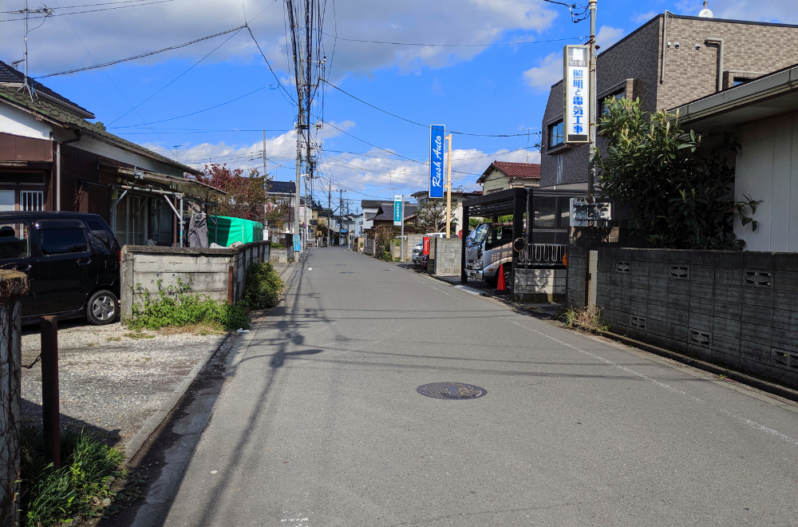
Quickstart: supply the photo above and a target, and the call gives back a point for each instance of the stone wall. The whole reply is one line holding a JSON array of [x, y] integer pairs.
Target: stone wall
[[444, 256], [207, 270], [540, 285], [12, 285], [410, 242], [736, 309]]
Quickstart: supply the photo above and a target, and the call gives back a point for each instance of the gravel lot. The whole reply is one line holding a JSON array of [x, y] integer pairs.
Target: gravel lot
[[110, 382]]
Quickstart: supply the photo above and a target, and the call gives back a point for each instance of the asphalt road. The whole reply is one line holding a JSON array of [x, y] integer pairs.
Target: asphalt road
[[321, 425]]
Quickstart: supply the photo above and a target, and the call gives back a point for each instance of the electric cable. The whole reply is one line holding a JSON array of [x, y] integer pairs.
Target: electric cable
[[452, 45], [90, 11]]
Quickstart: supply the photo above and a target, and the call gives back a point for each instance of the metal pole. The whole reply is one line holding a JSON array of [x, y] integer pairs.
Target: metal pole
[[329, 209], [51, 412], [299, 125], [593, 97], [26, 46], [264, 153], [180, 220], [448, 187], [230, 285]]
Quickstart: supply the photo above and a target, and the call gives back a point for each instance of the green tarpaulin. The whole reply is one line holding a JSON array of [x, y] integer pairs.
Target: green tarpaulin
[[233, 230]]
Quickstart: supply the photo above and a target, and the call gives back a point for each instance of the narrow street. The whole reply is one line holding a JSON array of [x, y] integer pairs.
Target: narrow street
[[321, 424]]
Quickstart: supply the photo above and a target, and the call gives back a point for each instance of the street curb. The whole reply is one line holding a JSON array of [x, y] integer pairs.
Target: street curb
[[133, 446], [765, 386]]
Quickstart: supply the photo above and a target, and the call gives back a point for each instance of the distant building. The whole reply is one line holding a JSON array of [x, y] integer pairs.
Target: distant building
[[370, 208], [457, 203], [503, 175]]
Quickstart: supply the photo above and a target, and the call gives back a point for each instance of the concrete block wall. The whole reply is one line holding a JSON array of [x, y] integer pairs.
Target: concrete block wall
[[540, 285], [444, 256], [736, 309], [207, 270], [410, 242]]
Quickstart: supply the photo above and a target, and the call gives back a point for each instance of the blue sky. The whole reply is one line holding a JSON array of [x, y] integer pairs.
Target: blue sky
[[499, 89]]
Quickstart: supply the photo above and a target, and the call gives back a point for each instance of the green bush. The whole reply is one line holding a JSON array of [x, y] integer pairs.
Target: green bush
[[177, 306], [263, 286], [50, 495], [275, 245]]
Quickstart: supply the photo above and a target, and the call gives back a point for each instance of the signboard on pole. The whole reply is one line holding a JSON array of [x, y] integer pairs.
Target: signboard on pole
[[436, 132], [398, 210], [297, 244], [576, 107]]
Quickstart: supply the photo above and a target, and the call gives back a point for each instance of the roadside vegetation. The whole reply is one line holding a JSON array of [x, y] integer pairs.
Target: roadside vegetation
[[585, 318], [178, 306], [263, 286], [176, 309], [50, 496], [677, 197]]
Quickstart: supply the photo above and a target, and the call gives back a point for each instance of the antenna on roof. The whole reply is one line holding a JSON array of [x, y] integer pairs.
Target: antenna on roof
[[706, 12], [47, 12]]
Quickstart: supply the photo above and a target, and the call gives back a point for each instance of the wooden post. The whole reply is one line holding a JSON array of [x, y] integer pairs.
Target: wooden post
[[51, 408]]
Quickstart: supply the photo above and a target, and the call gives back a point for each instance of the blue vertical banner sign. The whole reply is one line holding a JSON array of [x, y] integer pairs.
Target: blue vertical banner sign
[[576, 75], [398, 210], [436, 132]]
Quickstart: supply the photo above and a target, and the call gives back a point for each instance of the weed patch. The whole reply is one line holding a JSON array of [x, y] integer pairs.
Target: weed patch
[[178, 306], [586, 317], [262, 286], [81, 486], [114, 339], [139, 335]]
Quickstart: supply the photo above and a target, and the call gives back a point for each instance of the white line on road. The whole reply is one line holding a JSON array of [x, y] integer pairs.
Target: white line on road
[[435, 288], [749, 422]]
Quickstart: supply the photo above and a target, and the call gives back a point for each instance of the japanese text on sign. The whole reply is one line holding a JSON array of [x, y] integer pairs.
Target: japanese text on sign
[[576, 114]]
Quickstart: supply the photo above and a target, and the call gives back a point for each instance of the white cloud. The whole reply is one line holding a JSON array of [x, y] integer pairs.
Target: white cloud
[[783, 11], [119, 33], [543, 76], [607, 36], [644, 17]]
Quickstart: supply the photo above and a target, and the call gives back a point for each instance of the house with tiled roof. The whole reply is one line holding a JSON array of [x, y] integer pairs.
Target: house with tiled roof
[[503, 175], [385, 216], [52, 158]]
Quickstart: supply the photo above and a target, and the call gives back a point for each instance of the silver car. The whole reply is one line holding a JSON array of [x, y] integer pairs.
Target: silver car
[[418, 252]]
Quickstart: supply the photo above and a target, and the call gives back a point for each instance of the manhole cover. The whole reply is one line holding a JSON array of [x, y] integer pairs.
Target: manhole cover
[[451, 390]]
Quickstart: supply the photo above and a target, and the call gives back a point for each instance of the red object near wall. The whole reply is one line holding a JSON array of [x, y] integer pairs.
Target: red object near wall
[[426, 245], [501, 285]]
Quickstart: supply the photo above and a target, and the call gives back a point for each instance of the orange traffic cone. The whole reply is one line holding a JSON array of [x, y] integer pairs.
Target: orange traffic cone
[[501, 286]]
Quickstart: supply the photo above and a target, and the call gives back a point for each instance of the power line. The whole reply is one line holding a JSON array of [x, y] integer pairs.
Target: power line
[[83, 5], [141, 56], [452, 45], [91, 10], [176, 78], [411, 121], [195, 113]]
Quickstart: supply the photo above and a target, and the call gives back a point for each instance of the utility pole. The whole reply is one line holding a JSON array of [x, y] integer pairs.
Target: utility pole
[[340, 211], [299, 127], [448, 187], [593, 98], [329, 211], [264, 154]]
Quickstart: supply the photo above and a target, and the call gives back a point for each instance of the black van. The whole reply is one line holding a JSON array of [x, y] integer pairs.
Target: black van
[[71, 259]]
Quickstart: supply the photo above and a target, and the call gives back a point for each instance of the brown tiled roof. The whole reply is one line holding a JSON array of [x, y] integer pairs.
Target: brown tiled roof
[[58, 114], [518, 170]]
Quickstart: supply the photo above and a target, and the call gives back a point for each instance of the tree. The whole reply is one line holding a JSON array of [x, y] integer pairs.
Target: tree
[[431, 217], [676, 195], [246, 196]]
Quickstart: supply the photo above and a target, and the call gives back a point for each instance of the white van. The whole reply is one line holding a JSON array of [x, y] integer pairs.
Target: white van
[[490, 246]]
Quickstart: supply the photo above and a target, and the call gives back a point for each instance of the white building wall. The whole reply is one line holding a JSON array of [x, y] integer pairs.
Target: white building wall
[[94, 146], [16, 122], [367, 224], [767, 170]]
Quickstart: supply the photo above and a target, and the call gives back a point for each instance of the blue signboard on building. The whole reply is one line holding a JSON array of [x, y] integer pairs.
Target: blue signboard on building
[[436, 132]]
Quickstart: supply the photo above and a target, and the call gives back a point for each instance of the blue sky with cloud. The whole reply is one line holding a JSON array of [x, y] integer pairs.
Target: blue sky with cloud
[[497, 89]]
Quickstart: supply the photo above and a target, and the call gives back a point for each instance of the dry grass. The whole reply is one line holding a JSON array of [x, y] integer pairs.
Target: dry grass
[[585, 317], [200, 328], [139, 335]]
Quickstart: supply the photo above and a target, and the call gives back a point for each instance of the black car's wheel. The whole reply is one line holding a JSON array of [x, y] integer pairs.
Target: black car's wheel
[[103, 307], [491, 280]]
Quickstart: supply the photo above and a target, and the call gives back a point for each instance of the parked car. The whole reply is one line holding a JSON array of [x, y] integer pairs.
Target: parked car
[[418, 251], [71, 259], [489, 248]]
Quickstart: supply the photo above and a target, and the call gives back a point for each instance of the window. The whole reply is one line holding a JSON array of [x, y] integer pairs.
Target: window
[[559, 169], [370, 215], [61, 241], [555, 134], [31, 200], [22, 178], [544, 211], [604, 108], [13, 240], [741, 80], [7, 200]]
